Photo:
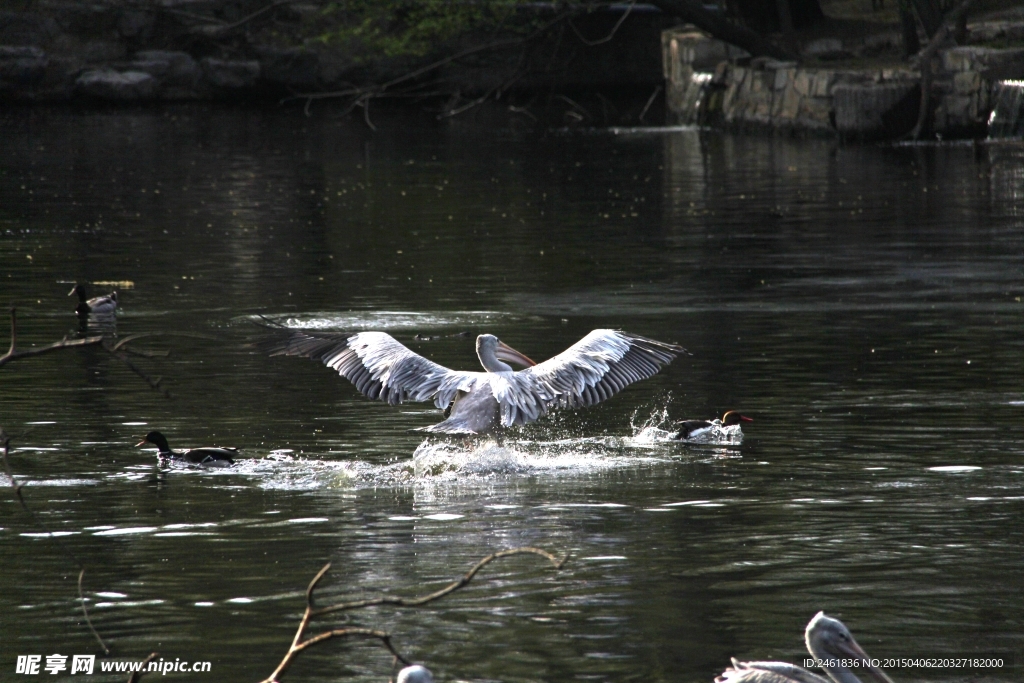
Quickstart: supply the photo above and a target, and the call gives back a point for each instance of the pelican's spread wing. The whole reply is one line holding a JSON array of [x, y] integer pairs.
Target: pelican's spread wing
[[380, 367], [590, 371]]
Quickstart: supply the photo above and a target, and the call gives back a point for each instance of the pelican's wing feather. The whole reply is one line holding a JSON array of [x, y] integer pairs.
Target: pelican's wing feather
[[379, 366], [590, 371], [767, 672]]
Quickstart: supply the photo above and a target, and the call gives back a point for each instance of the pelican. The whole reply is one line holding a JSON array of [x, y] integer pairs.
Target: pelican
[[590, 371], [828, 640], [100, 306]]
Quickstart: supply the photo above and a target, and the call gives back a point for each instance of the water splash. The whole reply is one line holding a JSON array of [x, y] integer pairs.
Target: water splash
[[351, 321], [495, 457], [659, 428], [654, 429]]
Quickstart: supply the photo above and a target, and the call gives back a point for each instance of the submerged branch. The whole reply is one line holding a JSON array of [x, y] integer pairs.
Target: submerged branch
[[136, 675], [14, 354]]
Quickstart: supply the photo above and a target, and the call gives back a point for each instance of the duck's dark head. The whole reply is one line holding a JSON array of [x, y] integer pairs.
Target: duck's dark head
[[79, 290], [157, 439], [734, 418]]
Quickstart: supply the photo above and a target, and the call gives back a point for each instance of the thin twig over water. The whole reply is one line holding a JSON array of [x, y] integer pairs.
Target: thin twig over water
[[298, 644], [14, 354]]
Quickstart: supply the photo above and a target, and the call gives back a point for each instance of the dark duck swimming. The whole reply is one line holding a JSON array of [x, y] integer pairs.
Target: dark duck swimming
[[695, 429], [205, 456], [101, 306]]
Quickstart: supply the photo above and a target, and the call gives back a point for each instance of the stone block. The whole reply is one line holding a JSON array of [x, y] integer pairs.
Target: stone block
[[700, 51], [781, 79], [958, 59], [967, 82], [879, 43], [107, 84], [790, 104], [959, 110], [972, 58], [230, 75], [721, 73], [821, 83], [822, 47], [802, 82], [815, 112], [874, 109]]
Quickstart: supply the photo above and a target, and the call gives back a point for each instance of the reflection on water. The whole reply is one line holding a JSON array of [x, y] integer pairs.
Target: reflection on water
[[862, 304]]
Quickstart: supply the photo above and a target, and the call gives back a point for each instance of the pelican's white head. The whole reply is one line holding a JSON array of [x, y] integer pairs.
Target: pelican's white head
[[415, 674], [829, 639], [492, 351]]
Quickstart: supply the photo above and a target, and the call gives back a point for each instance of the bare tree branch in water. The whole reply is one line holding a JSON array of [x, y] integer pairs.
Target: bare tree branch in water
[[5, 441], [924, 61], [119, 350], [298, 644], [14, 354], [136, 675]]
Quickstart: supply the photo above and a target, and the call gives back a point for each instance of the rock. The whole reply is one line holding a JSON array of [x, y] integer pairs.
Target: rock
[[21, 66], [295, 68], [172, 68], [826, 49], [880, 43], [875, 110], [989, 31], [704, 53], [967, 82], [107, 84], [231, 75]]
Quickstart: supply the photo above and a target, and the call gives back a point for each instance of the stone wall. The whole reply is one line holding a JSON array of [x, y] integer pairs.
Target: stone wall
[[123, 51], [67, 49], [762, 94], [966, 83]]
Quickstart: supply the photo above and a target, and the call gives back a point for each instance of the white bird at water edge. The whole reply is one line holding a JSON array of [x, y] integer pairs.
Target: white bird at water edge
[[830, 642], [590, 371]]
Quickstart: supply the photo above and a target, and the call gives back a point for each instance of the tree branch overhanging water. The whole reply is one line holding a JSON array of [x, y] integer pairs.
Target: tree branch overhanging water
[[298, 644]]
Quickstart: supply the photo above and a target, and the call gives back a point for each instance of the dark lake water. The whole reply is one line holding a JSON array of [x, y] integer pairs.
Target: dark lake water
[[862, 304]]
